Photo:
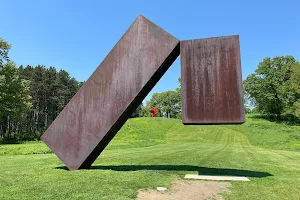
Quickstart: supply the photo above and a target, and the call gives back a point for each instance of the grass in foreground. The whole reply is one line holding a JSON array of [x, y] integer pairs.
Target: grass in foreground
[[149, 152]]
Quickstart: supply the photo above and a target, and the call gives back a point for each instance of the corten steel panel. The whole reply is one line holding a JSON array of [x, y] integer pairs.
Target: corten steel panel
[[211, 81], [103, 104]]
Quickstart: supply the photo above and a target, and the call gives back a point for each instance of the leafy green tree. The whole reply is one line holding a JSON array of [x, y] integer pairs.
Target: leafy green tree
[[270, 86], [295, 83], [297, 109], [51, 90], [247, 110], [178, 104], [295, 78], [136, 113], [4, 49], [144, 111], [2, 80], [167, 102], [31, 97], [14, 98]]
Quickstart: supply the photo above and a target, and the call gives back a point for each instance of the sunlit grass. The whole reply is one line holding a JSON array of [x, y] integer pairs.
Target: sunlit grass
[[149, 152]]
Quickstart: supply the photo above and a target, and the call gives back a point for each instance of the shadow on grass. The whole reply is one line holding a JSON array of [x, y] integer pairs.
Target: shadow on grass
[[201, 170]]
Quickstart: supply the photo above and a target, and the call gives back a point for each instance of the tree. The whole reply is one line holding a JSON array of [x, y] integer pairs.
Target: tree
[[4, 49], [295, 83], [51, 90], [270, 86], [297, 109], [295, 78], [247, 110], [2, 80], [31, 97], [144, 111], [136, 113], [14, 99], [167, 102]]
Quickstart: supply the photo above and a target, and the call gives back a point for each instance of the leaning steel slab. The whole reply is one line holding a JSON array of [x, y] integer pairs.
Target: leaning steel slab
[[211, 81], [103, 104]]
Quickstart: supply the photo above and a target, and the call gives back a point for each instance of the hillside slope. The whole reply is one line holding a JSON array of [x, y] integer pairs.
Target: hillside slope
[[151, 152]]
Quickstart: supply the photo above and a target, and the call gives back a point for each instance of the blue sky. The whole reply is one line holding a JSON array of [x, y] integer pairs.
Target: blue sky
[[77, 35]]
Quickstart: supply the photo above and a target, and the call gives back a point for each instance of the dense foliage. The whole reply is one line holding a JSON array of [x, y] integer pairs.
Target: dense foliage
[[30, 97], [4, 49], [168, 103], [274, 87]]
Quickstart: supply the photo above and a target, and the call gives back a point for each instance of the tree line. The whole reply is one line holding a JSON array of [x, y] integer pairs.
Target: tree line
[[32, 96]]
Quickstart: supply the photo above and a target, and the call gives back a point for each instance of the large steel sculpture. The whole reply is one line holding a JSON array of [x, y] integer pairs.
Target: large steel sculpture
[[211, 89]]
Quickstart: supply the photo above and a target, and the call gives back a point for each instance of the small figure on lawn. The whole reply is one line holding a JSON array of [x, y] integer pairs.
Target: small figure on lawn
[[153, 111]]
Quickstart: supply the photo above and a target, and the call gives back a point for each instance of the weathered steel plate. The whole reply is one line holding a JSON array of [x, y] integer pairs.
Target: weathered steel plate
[[211, 81], [99, 109]]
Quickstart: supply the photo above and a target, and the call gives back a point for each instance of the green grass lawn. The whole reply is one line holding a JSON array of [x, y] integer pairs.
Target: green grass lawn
[[151, 152]]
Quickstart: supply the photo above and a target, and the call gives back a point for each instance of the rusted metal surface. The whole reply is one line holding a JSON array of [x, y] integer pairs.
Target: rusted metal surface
[[116, 88], [211, 81]]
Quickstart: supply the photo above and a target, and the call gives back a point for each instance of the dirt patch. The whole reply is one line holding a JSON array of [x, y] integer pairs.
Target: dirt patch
[[191, 190]]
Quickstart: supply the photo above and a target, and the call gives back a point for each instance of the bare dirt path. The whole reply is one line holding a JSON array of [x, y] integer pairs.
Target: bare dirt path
[[191, 190]]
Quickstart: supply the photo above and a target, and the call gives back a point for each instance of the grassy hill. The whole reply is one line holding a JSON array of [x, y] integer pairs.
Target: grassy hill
[[151, 152]]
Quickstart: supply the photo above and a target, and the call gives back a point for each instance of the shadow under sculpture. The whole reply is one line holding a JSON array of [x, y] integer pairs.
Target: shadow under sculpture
[[200, 170], [116, 88]]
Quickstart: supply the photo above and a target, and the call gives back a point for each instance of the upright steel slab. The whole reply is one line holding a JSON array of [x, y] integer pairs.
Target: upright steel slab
[[99, 109], [211, 81]]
